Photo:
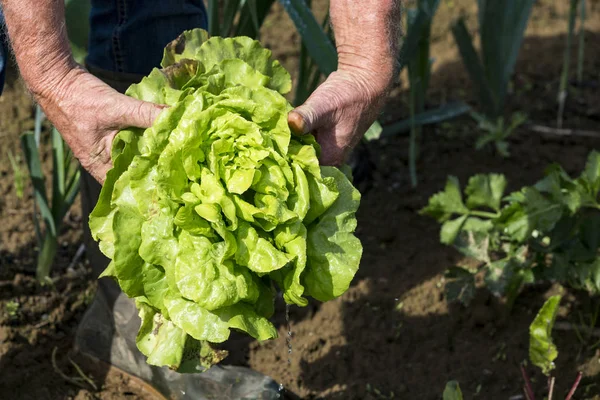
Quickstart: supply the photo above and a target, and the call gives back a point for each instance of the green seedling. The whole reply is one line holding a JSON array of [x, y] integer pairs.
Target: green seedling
[[544, 232]]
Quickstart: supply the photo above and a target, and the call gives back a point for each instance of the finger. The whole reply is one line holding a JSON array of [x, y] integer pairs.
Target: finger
[[296, 123], [311, 115], [134, 112]]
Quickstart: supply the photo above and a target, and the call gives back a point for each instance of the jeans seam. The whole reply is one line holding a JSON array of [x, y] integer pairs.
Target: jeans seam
[[116, 36]]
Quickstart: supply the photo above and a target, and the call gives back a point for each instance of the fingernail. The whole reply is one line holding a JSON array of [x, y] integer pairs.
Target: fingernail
[[296, 123]]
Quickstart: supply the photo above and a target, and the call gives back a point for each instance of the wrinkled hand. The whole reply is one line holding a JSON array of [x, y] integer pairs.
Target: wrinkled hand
[[339, 112], [88, 113]]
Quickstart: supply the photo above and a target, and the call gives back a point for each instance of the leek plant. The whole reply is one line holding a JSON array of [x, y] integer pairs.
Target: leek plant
[[49, 211], [502, 26], [65, 186], [581, 51], [564, 77], [419, 72]]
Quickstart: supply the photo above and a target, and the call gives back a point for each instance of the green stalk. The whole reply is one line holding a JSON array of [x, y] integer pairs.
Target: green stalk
[[46, 256], [412, 149], [564, 79], [213, 18], [581, 52], [483, 214]]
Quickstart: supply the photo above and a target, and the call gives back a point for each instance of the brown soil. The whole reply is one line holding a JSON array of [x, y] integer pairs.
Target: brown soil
[[392, 335]]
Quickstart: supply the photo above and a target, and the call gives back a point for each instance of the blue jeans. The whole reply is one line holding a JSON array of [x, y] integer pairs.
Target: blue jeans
[[129, 35]]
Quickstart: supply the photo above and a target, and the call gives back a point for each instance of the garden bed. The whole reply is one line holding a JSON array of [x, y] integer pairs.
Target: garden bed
[[392, 335]]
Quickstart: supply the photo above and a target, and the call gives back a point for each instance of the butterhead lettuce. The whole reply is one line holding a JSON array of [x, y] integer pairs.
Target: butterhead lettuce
[[216, 205]]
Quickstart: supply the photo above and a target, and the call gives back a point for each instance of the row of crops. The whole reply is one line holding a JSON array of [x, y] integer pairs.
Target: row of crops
[[544, 232]]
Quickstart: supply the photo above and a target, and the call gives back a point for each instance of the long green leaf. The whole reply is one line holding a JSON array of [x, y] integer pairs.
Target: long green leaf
[[214, 28], [72, 191], [410, 45], [542, 350], [58, 173], [46, 256], [492, 49], [302, 88], [309, 74], [581, 51], [37, 179], [473, 64], [77, 16], [254, 14], [517, 33], [419, 70], [564, 78], [230, 9], [318, 44], [252, 17], [443, 113]]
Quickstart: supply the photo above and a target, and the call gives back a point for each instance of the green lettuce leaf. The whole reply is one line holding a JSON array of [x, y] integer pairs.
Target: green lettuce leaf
[[542, 350], [333, 251]]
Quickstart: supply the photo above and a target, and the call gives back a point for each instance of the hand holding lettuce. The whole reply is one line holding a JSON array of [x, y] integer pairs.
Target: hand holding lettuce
[[216, 204]]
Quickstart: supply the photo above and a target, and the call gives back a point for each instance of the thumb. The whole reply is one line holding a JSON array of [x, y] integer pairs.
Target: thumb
[[309, 116], [138, 113]]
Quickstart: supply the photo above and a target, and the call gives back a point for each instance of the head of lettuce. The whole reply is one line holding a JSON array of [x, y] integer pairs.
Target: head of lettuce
[[207, 212]]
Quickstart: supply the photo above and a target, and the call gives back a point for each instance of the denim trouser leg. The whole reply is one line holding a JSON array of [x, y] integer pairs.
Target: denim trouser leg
[[129, 35]]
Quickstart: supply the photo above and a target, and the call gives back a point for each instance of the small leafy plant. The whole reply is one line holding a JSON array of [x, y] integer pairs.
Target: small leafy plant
[[496, 131], [543, 351], [502, 26], [545, 232]]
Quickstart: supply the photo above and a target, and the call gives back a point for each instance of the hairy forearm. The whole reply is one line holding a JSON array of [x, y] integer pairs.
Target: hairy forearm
[[38, 36], [367, 36]]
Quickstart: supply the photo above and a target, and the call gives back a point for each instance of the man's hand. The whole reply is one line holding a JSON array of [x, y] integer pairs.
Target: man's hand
[[341, 110], [88, 113], [338, 113]]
